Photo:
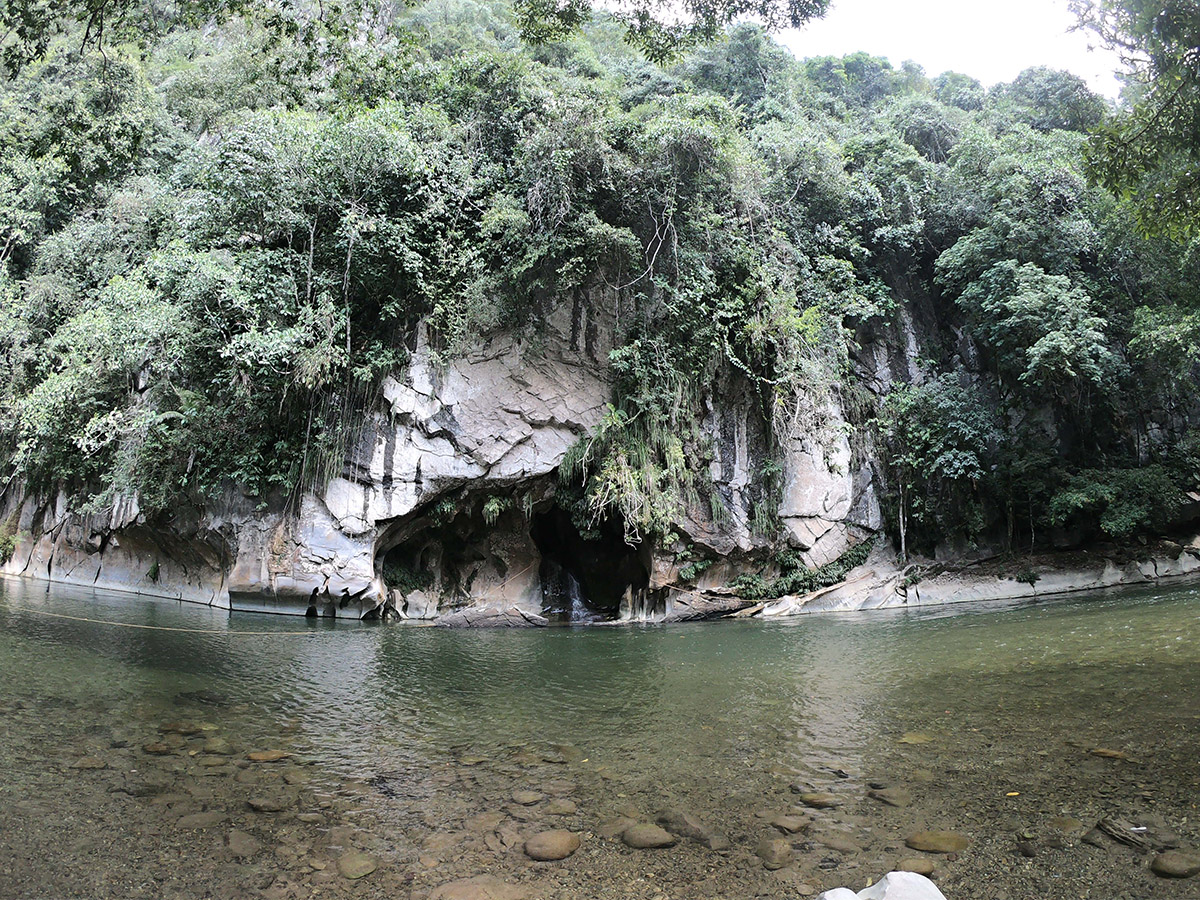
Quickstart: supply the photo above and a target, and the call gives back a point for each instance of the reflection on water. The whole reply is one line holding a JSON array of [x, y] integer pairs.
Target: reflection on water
[[722, 718]]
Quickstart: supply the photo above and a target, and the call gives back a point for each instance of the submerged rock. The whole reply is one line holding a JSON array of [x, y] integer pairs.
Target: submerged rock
[[242, 845], [218, 746], [354, 865], [267, 755], [819, 799], [775, 853], [790, 824], [1067, 825], [1177, 864], [647, 837], [892, 796], [686, 825], [481, 887], [201, 820], [89, 762], [270, 803], [616, 827], [922, 865], [551, 845], [937, 841]]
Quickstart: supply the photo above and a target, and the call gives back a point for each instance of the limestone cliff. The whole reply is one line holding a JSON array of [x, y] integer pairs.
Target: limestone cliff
[[449, 508]]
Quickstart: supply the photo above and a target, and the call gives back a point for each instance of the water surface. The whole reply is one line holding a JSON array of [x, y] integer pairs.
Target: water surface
[[407, 743]]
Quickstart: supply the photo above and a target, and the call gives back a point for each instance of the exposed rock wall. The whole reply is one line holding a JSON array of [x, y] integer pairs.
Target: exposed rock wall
[[448, 507], [187, 560]]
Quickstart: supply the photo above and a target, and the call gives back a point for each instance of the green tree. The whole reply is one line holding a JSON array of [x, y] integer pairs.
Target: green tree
[[28, 27], [962, 91], [1149, 152], [1050, 99], [939, 438]]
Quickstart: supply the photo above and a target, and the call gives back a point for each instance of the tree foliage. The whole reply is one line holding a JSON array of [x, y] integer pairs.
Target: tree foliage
[[1149, 153], [214, 246]]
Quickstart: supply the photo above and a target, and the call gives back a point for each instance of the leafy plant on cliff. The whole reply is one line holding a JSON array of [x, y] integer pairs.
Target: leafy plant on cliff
[[1124, 502], [9, 537], [794, 578]]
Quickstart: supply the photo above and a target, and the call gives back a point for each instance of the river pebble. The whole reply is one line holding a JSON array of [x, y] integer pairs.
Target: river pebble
[[1177, 864], [551, 845], [647, 837]]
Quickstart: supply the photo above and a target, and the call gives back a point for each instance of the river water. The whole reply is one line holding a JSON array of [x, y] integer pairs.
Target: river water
[[127, 769]]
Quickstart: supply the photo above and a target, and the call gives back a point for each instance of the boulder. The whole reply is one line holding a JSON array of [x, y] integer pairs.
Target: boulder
[[551, 845]]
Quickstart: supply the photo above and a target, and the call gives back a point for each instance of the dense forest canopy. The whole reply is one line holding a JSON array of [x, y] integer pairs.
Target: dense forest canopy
[[215, 243], [659, 30]]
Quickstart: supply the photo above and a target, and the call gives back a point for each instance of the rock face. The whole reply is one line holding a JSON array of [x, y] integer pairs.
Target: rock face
[[448, 508]]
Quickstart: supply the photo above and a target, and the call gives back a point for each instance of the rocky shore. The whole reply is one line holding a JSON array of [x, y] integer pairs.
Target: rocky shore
[[881, 584]]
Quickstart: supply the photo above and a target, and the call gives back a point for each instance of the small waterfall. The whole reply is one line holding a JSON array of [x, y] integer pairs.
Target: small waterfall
[[562, 595], [578, 610]]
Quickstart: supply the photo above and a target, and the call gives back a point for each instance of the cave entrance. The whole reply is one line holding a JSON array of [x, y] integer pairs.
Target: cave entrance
[[585, 578]]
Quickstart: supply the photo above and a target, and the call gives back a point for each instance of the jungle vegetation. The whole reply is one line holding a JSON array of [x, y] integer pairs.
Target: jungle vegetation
[[215, 240]]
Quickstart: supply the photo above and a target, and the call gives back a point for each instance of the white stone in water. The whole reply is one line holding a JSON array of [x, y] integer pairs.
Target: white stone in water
[[892, 886]]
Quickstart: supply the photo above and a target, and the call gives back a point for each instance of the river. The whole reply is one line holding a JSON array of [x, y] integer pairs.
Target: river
[[432, 754]]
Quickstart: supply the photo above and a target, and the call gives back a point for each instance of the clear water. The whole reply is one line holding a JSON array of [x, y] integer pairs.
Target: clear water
[[403, 734]]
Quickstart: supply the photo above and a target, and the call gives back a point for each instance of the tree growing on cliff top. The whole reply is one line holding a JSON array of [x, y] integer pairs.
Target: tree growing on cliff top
[[659, 29], [1151, 154]]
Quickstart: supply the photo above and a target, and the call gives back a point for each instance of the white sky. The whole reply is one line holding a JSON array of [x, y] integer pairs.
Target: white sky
[[992, 40]]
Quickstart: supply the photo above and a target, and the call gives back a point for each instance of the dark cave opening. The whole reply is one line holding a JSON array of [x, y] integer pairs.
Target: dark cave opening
[[585, 578]]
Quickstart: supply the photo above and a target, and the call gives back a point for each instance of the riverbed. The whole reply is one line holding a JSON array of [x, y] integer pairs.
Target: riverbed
[[158, 749]]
